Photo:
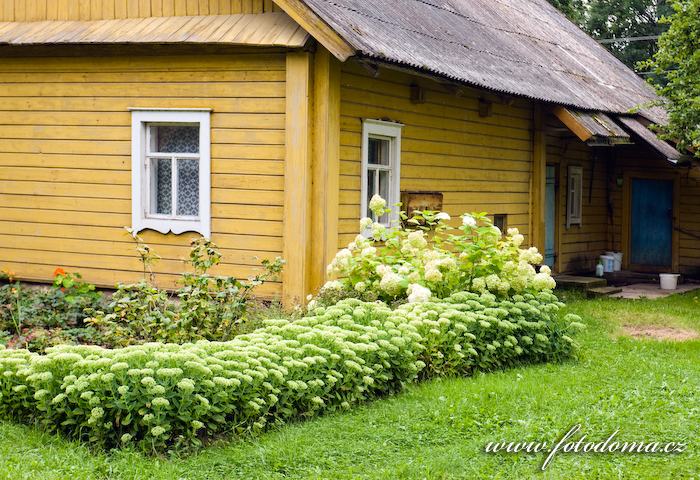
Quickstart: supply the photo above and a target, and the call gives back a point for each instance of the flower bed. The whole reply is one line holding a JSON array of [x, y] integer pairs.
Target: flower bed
[[167, 396]]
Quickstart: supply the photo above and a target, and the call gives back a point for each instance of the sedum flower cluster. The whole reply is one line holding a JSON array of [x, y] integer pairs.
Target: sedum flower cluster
[[429, 256], [163, 397]]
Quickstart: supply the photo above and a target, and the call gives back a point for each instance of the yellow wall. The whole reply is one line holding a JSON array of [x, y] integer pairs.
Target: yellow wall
[[37, 10], [65, 148], [480, 164], [579, 246]]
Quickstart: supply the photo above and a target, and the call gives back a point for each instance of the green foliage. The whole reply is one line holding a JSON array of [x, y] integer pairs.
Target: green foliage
[[167, 396], [207, 307], [677, 75], [604, 19], [425, 256], [38, 317], [627, 19]]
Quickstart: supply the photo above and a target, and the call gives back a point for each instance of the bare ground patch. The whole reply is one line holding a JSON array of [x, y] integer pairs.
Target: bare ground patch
[[657, 332]]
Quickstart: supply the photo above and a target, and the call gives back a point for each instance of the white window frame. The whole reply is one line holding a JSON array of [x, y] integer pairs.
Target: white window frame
[[574, 196], [141, 191], [386, 131]]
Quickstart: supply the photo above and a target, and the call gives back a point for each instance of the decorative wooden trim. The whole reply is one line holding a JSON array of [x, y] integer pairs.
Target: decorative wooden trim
[[539, 179], [297, 180], [325, 164], [139, 218], [318, 28]]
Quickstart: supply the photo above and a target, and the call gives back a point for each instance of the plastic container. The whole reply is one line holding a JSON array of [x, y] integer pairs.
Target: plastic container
[[669, 281], [608, 263], [599, 270], [618, 260]]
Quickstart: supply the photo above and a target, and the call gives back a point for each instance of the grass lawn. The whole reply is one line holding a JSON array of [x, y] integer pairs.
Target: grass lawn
[[648, 389]]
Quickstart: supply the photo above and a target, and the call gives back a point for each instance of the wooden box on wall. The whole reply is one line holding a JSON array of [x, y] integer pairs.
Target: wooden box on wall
[[420, 201]]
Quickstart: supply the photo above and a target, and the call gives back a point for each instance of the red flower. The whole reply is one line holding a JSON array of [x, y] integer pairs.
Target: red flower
[[59, 271]]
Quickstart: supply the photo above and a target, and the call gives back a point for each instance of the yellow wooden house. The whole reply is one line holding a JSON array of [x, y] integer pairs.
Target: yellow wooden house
[[267, 124]]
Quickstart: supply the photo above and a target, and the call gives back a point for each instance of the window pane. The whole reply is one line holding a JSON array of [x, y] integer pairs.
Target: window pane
[[378, 151], [188, 188], [161, 197], [370, 191], [175, 139], [384, 192]]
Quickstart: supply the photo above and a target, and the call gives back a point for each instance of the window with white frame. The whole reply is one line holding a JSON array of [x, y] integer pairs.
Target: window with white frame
[[381, 166], [574, 202], [171, 171]]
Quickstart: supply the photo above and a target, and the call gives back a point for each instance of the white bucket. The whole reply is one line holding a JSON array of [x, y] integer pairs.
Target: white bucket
[[618, 261], [617, 256], [669, 281], [608, 263]]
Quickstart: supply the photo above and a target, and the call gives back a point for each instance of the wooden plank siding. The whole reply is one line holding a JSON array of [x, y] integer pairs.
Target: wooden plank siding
[[637, 161], [65, 160], [579, 246], [34, 11], [480, 164]]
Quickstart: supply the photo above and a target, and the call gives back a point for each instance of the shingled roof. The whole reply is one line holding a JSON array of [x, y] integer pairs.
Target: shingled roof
[[520, 47]]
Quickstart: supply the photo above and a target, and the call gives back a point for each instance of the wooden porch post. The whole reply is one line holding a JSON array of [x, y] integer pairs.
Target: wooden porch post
[[539, 179], [297, 179]]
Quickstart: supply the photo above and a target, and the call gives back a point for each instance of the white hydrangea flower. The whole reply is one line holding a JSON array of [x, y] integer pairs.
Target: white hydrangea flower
[[513, 231], [443, 216], [545, 269], [382, 269], [391, 283], [377, 205], [369, 252], [418, 293], [360, 287], [518, 239], [543, 281], [468, 220], [417, 239], [365, 224], [332, 285], [432, 274], [378, 231]]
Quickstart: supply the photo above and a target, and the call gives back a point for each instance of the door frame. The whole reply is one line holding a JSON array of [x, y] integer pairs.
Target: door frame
[[557, 214], [628, 176]]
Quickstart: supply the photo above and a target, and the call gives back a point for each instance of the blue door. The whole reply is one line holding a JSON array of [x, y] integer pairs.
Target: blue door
[[550, 217], [652, 223]]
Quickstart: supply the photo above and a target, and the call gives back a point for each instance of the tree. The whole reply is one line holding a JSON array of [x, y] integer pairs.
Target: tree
[[574, 9], [628, 19], [616, 19], [676, 66]]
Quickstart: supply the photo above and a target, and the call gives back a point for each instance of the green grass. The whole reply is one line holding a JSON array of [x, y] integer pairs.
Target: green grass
[[647, 389]]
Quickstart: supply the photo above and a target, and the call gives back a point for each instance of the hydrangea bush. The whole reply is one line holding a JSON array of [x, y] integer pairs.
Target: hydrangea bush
[[163, 397], [424, 257]]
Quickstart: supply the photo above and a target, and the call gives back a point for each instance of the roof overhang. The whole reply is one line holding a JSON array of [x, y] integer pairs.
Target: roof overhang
[[650, 138], [598, 129], [274, 29], [318, 28], [594, 128]]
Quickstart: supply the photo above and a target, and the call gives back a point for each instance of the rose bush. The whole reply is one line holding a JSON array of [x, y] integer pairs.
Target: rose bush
[[424, 256]]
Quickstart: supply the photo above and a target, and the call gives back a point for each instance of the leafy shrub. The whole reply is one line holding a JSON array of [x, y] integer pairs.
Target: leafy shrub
[[205, 307], [167, 396], [38, 317], [424, 256]]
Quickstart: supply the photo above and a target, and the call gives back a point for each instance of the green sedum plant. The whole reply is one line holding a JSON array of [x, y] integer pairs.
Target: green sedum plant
[[163, 397]]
